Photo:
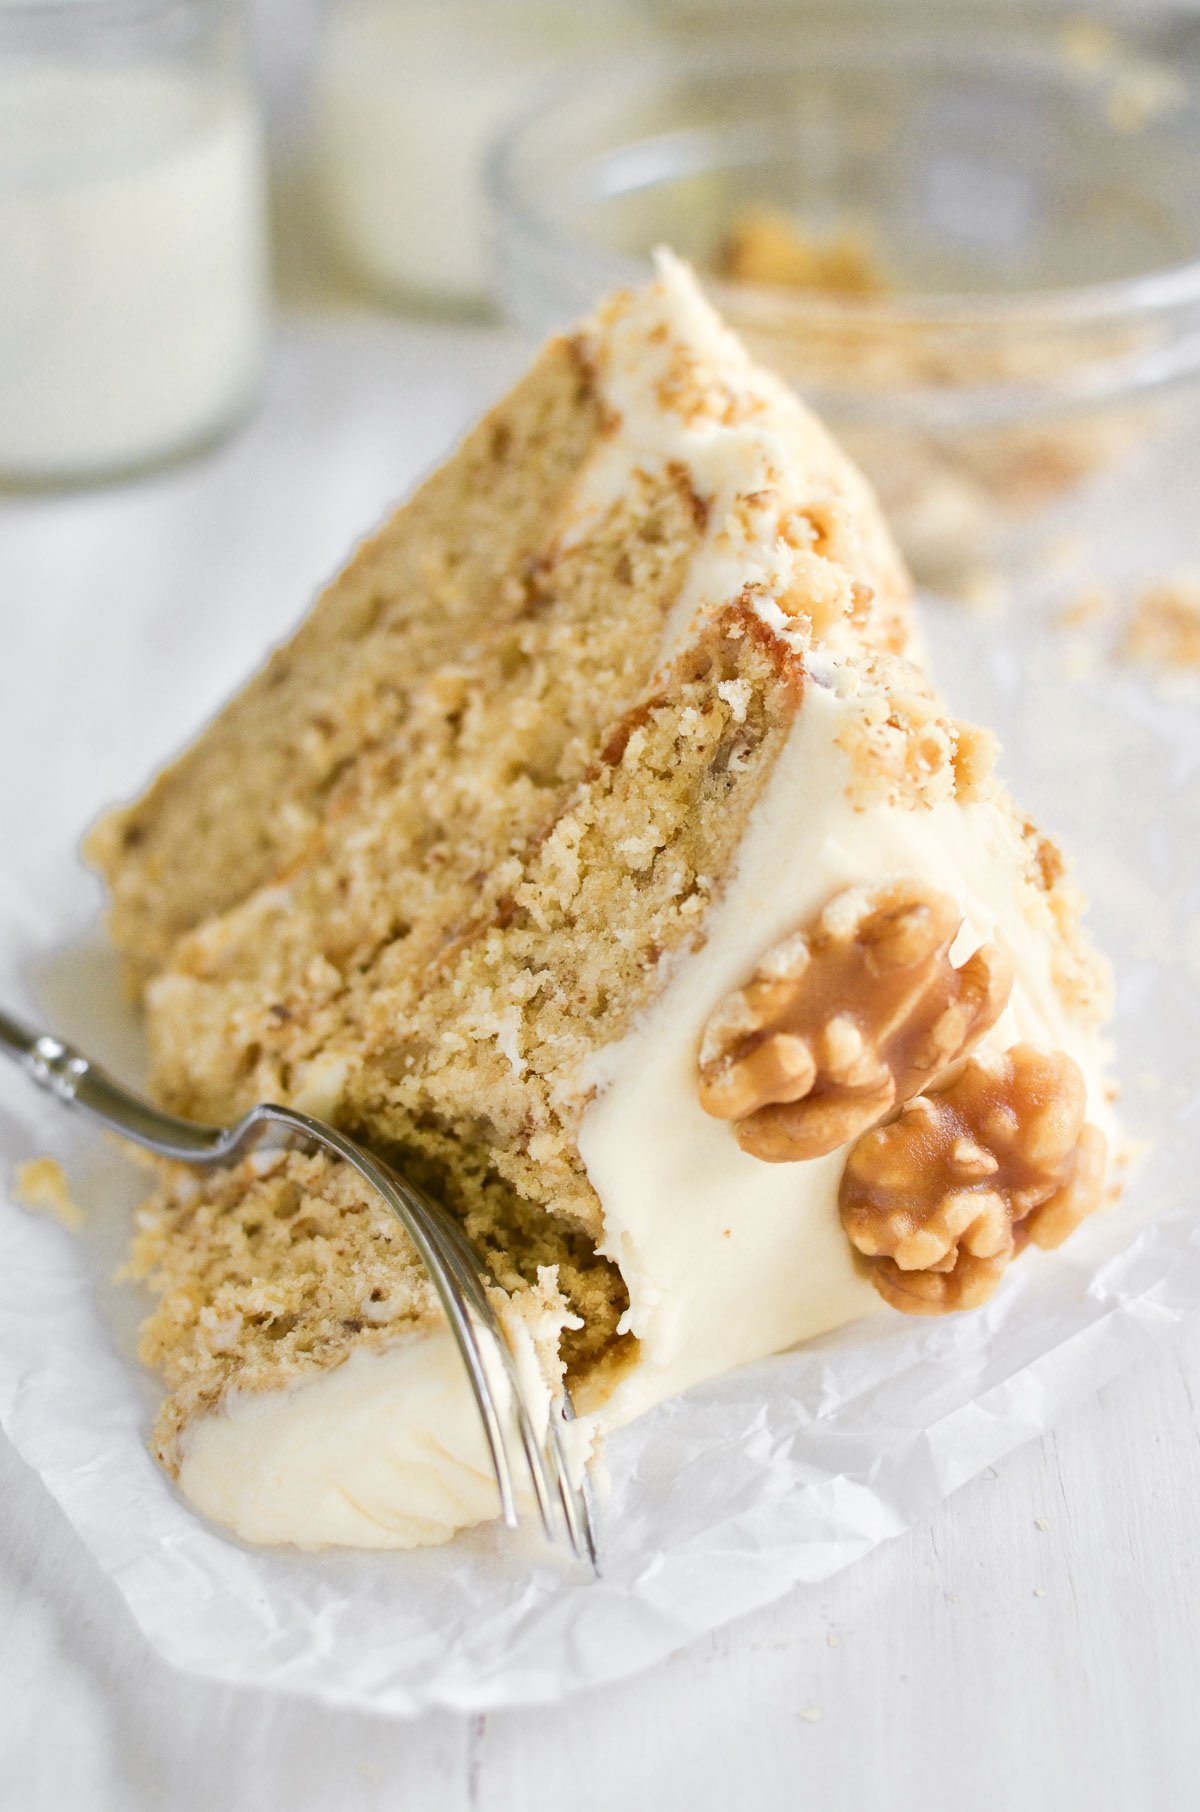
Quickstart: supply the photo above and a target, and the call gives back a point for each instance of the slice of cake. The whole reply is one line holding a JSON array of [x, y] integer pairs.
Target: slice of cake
[[599, 854]]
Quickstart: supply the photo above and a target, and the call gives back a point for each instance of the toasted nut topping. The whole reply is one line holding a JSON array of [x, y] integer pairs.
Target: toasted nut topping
[[941, 1199], [840, 1023]]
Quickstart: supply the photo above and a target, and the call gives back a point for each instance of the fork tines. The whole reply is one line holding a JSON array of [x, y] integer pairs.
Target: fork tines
[[456, 1270]]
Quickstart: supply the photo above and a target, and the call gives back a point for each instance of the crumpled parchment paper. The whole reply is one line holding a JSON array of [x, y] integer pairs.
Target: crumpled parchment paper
[[719, 1501]]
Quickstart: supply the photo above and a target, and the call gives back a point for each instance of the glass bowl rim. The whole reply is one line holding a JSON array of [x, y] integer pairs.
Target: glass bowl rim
[[1157, 292]]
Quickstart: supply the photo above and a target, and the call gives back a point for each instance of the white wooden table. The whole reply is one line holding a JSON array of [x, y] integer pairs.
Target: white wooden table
[[1037, 1646], [982, 1662]]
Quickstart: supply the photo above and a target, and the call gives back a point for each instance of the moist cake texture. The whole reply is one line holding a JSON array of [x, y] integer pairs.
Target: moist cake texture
[[589, 835]]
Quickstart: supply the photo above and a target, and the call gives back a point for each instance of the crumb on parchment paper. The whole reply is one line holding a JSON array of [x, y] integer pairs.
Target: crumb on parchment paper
[[1164, 627], [41, 1184], [1159, 628]]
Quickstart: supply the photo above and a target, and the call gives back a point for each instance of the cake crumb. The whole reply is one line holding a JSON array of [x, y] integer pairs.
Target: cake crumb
[[736, 694], [812, 1714], [1039, 1591], [1164, 627], [41, 1184], [768, 246], [1040, 1522], [831, 1640]]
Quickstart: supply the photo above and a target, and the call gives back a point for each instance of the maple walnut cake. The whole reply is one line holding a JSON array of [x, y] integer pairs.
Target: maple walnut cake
[[598, 850]]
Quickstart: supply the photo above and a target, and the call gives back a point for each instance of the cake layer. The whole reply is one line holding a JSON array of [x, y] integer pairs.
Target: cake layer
[[453, 563]]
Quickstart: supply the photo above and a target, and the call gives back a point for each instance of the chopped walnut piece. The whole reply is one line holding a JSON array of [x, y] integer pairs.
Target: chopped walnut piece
[[941, 1199], [975, 752], [841, 1022]]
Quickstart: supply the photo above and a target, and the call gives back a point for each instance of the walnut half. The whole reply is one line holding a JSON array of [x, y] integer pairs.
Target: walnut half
[[941, 1199], [843, 1021]]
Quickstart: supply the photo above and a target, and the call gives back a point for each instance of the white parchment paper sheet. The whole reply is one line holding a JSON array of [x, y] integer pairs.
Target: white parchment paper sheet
[[722, 1500]]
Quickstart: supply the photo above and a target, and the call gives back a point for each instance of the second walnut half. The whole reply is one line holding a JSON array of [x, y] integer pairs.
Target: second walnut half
[[844, 1021], [943, 1197]]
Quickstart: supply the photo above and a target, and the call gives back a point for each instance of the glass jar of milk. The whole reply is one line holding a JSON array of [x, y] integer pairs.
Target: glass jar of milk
[[409, 94], [133, 270]]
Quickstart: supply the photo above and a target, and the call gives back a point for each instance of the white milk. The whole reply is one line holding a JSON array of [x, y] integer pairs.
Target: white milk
[[132, 266], [409, 98]]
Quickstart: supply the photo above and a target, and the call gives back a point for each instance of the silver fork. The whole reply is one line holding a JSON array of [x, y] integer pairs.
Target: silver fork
[[456, 1269]]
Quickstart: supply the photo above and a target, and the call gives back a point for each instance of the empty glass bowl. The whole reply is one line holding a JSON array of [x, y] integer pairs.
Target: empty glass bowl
[[977, 256]]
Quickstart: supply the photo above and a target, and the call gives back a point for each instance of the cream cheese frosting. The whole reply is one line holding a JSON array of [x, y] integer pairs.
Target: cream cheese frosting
[[384, 1451]]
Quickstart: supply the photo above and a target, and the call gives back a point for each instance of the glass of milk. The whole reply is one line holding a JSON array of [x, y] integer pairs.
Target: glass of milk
[[409, 95], [133, 266]]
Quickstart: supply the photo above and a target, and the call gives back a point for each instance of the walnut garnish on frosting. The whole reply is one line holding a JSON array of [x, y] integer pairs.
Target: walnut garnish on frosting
[[940, 1199], [841, 1022]]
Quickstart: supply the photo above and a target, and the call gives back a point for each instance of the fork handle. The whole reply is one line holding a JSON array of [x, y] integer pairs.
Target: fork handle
[[78, 1082]]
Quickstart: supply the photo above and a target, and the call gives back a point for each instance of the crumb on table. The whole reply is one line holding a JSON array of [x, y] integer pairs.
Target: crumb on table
[[42, 1184]]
